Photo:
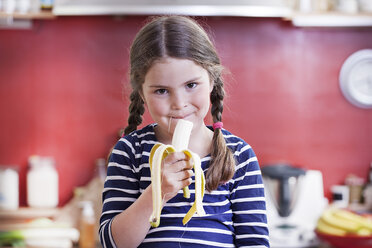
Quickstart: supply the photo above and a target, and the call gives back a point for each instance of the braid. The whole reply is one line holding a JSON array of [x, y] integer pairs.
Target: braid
[[136, 110], [222, 165], [217, 95]]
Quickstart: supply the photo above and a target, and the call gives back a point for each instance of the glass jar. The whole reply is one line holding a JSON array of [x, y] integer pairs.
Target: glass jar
[[42, 182]]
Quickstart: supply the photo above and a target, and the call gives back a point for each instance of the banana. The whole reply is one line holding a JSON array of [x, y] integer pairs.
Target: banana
[[330, 218], [350, 216], [342, 222], [159, 152], [329, 229], [364, 232]]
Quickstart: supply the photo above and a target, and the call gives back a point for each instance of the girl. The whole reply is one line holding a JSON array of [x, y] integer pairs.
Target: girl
[[176, 72]]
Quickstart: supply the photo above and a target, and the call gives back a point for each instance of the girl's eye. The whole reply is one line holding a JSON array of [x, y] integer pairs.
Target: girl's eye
[[191, 85], [161, 91]]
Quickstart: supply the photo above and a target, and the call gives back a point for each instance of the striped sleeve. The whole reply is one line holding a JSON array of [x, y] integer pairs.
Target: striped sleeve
[[248, 200], [121, 188]]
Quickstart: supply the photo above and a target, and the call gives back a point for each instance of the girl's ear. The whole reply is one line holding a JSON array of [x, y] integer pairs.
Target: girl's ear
[[211, 86], [142, 96]]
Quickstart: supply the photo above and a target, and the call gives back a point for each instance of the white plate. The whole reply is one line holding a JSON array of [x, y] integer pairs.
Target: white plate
[[356, 78]]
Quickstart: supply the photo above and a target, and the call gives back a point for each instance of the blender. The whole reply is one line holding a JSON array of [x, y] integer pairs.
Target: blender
[[295, 200]]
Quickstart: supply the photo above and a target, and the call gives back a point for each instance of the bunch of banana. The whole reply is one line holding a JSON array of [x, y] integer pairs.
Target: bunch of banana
[[342, 222], [159, 152]]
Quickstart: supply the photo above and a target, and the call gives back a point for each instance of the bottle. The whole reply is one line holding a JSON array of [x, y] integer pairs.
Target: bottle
[[9, 188], [367, 194], [42, 182], [355, 185], [87, 226], [101, 169]]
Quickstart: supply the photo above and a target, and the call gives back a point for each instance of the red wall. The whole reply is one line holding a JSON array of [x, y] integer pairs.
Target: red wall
[[62, 84]]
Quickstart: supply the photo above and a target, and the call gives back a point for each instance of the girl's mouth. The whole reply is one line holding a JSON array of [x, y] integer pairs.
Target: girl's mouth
[[177, 117]]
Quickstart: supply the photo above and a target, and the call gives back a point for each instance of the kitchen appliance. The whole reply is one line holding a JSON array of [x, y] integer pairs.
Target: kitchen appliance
[[295, 200]]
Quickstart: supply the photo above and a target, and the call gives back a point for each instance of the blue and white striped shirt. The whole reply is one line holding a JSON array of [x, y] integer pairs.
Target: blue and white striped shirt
[[235, 212]]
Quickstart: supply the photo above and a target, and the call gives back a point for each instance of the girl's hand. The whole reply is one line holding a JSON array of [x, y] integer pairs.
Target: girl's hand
[[176, 174]]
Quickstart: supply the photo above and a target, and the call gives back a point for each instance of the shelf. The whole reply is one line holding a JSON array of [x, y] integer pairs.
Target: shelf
[[28, 15], [298, 19], [244, 8], [28, 213], [23, 21], [331, 19]]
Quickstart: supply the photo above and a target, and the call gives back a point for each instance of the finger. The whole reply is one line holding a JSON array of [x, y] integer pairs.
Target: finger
[[175, 157], [186, 174], [177, 166], [183, 166], [189, 165], [179, 176], [186, 182], [171, 186]]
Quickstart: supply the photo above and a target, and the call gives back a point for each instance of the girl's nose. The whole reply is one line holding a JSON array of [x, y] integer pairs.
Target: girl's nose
[[178, 101]]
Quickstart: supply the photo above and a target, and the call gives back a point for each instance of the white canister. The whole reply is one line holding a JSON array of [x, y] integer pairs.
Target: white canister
[[9, 188], [365, 6], [340, 196], [9, 6], [347, 6], [23, 6], [305, 6], [42, 182]]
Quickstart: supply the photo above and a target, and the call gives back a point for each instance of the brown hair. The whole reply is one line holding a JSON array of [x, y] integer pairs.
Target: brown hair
[[181, 37]]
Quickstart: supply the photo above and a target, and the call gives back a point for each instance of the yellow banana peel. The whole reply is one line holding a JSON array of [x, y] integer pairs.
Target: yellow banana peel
[[158, 153]]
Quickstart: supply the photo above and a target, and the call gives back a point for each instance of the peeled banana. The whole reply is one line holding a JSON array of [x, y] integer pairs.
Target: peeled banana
[[159, 152], [342, 222]]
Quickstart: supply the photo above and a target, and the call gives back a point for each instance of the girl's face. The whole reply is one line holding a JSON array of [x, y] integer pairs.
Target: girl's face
[[177, 89]]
